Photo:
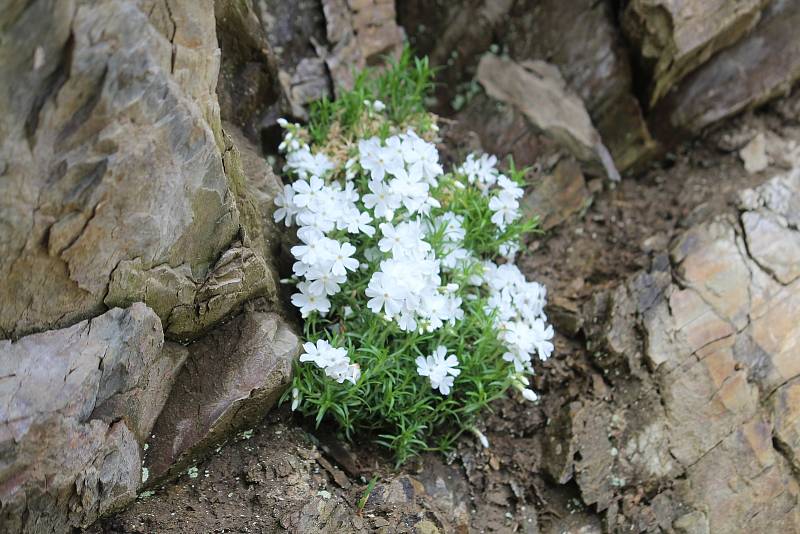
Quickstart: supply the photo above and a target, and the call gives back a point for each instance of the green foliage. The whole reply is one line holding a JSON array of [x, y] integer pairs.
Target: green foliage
[[401, 85]]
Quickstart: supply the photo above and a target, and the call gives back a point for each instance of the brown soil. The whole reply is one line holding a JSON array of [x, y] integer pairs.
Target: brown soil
[[266, 482]]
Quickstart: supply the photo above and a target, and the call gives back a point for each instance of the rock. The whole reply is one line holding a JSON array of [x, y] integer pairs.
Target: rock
[[581, 38], [700, 355], [360, 32], [263, 185], [231, 378], [75, 407], [118, 169], [453, 36], [692, 523], [785, 406], [673, 38], [771, 222], [764, 64], [754, 154], [558, 196], [540, 93], [248, 87]]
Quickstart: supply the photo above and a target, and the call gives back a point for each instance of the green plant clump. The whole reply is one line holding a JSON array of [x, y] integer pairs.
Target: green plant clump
[[416, 317]]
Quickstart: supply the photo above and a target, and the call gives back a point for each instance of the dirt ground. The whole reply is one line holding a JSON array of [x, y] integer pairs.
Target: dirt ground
[[286, 475]]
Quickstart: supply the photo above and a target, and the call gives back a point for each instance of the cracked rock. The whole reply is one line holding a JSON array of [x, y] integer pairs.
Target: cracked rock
[[707, 425], [231, 378], [116, 158], [75, 407], [673, 38]]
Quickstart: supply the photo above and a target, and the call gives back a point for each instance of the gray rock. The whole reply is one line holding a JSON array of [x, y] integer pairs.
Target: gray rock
[[537, 90], [232, 377], [116, 161], [761, 66], [673, 38], [75, 407], [582, 39], [555, 197]]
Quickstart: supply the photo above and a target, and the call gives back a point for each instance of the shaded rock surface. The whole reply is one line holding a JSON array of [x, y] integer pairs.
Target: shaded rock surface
[[537, 90], [75, 407], [555, 197], [673, 38], [231, 378], [582, 39], [761, 66]]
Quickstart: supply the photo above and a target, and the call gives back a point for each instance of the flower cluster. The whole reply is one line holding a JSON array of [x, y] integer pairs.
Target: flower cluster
[[333, 360], [409, 322], [518, 307], [439, 368]]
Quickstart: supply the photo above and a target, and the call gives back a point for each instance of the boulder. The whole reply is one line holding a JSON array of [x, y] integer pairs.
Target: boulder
[[76, 405], [761, 66], [119, 184], [537, 90], [673, 38], [582, 39], [231, 378]]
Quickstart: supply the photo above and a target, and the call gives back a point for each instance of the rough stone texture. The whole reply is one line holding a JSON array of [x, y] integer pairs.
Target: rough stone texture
[[540, 93], [360, 32], [761, 66], [582, 39], [248, 88], [319, 44], [231, 378], [701, 357], [117, 170], [75, 406], [557, 196], [673, 37]]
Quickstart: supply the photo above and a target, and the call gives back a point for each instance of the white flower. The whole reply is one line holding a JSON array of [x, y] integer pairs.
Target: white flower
[[379, 160], [359, 222], [383, 294], [542, 335], [286, 206], [422, 158], [323, 281], [310, 251], [439, 368], [333, 359], [305, 164], [340, 254], [382, 199], [295, 398], [307, 193], [505, 208], [480, 171], [308, 302], [529, 394]]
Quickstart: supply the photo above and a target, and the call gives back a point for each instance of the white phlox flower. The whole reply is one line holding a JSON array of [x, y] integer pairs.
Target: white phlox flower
[[440, 369]]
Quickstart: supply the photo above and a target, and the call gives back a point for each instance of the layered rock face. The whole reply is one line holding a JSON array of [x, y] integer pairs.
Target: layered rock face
[[118, 184], [701, 352]]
